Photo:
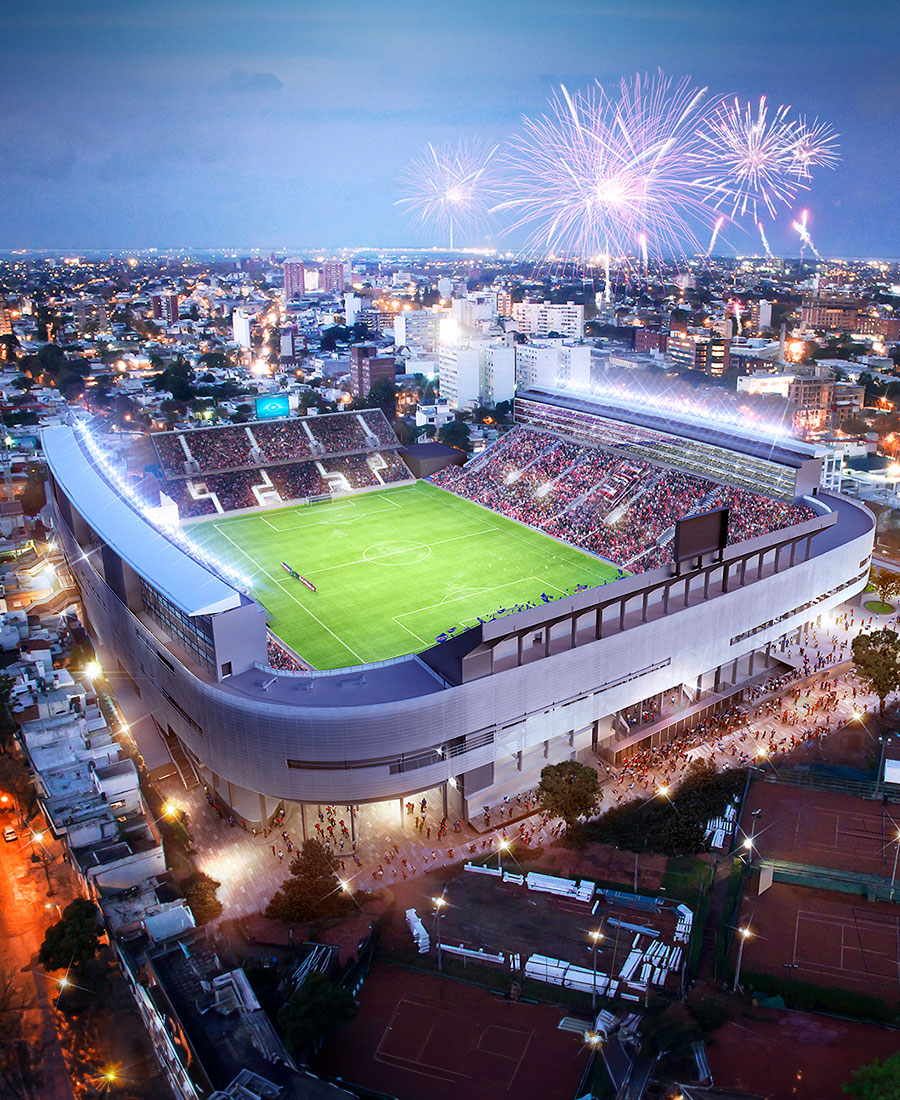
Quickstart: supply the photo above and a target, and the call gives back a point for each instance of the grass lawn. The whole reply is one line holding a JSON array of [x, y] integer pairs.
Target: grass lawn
[[879, 608], [392, 569]]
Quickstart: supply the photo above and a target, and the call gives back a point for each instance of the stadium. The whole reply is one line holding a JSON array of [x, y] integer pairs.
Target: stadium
[[299, 619]]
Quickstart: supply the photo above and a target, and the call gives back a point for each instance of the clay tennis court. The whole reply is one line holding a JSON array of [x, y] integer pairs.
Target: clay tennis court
[[417, 1035], [820, 828], [824, 938]]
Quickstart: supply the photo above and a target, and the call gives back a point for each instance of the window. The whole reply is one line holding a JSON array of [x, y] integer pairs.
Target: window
[[226, 669], [192, 632], [118, 804]]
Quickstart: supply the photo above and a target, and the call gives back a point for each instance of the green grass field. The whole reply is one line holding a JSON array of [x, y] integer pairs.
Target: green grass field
[[393, 569]]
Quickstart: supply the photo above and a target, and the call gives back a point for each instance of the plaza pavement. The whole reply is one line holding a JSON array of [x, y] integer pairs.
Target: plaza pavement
[[250, 874]]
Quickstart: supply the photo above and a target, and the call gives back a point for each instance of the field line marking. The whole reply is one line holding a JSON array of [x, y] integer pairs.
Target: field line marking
[[279, 584], [510, 526], [312, 615], [408, 631], [447, 601], [272, 525]]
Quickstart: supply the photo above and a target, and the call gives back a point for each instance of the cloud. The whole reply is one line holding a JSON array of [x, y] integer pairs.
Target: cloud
[[241, 81]]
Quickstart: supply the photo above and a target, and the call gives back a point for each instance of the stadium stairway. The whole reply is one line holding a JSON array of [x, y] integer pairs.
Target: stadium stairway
[[182, 762]]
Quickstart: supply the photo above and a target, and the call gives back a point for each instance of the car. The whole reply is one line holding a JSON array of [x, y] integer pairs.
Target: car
[[9, 834]]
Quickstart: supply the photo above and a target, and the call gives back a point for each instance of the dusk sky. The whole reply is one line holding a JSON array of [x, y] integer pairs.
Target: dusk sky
[[285, 124]]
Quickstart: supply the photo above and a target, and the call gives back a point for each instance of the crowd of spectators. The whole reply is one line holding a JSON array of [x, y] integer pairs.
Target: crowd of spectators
[[378, 425], [615, 506], [279, 658], [235, 446], [281, 439], [338, 432], [295, 481]]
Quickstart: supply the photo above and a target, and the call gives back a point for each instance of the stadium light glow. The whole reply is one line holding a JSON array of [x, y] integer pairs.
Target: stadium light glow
[[669, 403], [173, 533]]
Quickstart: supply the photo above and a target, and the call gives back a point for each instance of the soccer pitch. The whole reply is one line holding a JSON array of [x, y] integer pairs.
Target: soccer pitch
[[393, 569]]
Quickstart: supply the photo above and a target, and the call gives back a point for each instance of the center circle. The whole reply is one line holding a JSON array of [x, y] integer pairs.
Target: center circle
[[396, 553]]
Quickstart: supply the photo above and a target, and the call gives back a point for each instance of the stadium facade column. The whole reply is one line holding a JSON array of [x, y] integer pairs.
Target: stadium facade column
[[444, 796], [520, 645], [303, 820]]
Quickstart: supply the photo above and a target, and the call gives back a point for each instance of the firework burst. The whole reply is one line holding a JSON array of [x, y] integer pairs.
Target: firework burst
[[749, 158], [815, 146], [599, 175], [452, 188]]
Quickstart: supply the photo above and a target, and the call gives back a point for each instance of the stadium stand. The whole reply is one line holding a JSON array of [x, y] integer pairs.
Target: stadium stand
[[261, 443], [616, 506], [213, 470]]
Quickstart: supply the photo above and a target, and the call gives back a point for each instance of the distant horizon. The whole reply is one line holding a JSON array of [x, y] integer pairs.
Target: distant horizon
[[429, 251], [146, 122]]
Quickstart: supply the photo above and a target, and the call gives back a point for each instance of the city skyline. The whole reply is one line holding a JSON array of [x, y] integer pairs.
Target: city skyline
[[289, 127]]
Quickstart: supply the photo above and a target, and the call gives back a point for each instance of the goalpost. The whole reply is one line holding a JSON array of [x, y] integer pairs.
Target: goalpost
[[320, 498]]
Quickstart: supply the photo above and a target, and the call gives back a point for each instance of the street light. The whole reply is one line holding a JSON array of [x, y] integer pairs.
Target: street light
[[39, 837], [745, 935], [896, 853], [502, 846], [595, 936], [439, 903], [664, 792], [93, 669]]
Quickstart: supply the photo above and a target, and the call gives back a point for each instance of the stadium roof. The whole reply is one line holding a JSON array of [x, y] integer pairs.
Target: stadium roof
[[783, 450], [181, 579]]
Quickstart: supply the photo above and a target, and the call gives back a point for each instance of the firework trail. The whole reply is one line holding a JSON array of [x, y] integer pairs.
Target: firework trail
[[762, 234], [594, 173], [805, 239], [452, 187], [715, 233]]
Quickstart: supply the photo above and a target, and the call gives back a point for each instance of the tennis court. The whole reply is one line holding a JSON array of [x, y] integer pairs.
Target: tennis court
[[821, 828], [393, 570], [824, 938], [417, 1035]]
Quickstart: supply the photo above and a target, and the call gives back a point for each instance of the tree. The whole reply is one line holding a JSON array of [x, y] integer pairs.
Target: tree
[[73, 940], [34, 494], [455, 433], [317, 1009], [313, 891], [569, 790], [877, 659], [886, 583], [383, 395], [200, 891], [875, 1081]]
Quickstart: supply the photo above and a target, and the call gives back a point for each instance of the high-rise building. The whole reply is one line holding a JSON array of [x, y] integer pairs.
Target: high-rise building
[[164, 307], [418, 330], [294, 279], [831, 313], [293, 345], [552, 363], [241, 325], [697, 351], [760, 315], [476, 371], [332, 279], [367, 368], [544, 318]]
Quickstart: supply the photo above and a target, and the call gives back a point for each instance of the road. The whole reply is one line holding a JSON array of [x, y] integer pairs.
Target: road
[[23, 921]]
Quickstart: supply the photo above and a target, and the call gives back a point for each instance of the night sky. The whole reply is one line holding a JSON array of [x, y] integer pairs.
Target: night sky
[[285, 124]]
